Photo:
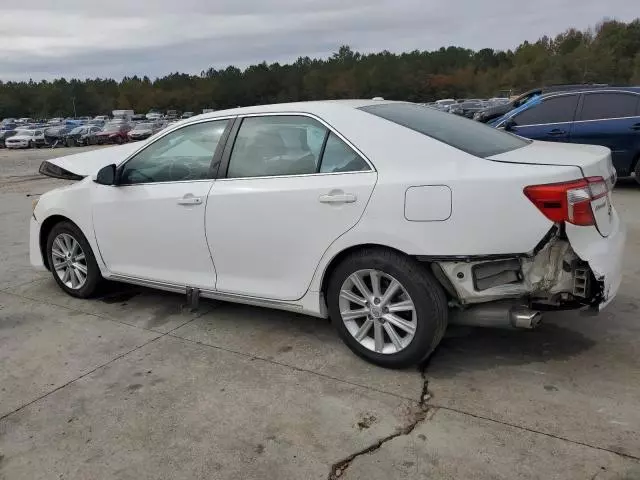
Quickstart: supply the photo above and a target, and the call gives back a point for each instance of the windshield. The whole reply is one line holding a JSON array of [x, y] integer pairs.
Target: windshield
[[78, 130], [467, 135]]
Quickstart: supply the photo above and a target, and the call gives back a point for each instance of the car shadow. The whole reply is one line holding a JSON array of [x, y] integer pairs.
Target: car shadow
[[627, 183], [470, 348]]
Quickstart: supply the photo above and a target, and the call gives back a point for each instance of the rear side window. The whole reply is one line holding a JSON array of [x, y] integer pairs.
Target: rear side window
[[596, 106], [472, 137], [550, 110], [277, 145]]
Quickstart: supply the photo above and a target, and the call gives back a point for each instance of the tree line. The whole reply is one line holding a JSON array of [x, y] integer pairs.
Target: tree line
[[608, 53]]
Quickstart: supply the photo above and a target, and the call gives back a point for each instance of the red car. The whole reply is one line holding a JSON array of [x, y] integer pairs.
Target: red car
[[113, 133]]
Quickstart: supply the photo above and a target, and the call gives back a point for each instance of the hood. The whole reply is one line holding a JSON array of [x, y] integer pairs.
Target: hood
[[80, 165]]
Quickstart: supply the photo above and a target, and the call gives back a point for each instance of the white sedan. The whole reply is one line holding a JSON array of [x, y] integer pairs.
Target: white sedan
[[390, 218], [25, 139]]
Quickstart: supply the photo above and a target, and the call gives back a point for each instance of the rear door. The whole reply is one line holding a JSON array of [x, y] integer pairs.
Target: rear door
[[550, 120], [290, 188], [610, 119]]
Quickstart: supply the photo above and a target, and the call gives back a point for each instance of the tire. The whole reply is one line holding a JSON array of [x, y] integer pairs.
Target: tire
[[428, 319], [637, 170], [30, 144], [93, 276], [118, 140]]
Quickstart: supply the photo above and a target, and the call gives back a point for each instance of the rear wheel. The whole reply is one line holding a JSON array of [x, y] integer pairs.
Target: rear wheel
[[637, 170], [71, 260], [387, 307]]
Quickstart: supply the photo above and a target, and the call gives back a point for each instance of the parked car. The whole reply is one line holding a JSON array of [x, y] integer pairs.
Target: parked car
[[315, 211], [26, 139], [187, 115], [443, 103], [6, 131], [102, 118], [83, 135], [608, 117], [466, 109], [493, 112], [54, 136], [55, 121], [114, 132], [97, 122], [144, 130], [154, 116]]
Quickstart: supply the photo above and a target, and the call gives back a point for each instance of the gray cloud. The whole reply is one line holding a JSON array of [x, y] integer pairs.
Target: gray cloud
[[76, 38]]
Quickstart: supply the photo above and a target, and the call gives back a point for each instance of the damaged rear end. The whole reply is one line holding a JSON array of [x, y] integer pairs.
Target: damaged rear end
[[578, 264]]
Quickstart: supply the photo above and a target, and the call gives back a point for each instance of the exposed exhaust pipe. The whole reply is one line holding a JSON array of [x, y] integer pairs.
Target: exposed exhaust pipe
[[497, 315]]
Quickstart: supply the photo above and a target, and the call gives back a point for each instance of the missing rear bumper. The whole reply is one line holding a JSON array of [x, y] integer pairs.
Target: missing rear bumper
[[553, 277]]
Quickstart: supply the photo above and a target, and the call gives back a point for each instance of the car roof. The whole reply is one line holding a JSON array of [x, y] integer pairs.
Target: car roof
[[592, 90], [313, 107]]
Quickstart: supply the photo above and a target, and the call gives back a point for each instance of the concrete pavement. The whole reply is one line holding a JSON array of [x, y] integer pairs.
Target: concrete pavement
[[134, 385]]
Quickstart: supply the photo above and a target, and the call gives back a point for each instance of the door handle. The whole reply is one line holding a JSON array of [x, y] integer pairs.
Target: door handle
[[337, 198], [556, 131], [635, 126], [189, 199]]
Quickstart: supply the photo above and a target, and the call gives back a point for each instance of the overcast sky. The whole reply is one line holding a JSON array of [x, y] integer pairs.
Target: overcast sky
[[112, 38]]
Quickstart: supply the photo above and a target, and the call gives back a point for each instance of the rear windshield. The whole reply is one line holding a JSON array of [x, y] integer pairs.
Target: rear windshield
[[467, 135]]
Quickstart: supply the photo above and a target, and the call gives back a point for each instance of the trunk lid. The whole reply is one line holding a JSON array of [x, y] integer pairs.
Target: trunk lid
[[80, 165], [592, 160]]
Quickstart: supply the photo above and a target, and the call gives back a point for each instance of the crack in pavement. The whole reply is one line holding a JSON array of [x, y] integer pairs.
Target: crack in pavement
[[423, 409]]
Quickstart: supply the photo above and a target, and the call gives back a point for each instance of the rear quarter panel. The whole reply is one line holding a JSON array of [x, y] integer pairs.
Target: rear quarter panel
[[489, 214]]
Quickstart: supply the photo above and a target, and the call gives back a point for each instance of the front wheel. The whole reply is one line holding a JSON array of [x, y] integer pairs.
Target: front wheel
[[31, 144], [637, 170], [71, 261], [387, 307]]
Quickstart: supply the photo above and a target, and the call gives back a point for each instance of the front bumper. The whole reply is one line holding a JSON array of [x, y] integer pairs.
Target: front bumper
[[605, 255], [20, 144], [35, 254]]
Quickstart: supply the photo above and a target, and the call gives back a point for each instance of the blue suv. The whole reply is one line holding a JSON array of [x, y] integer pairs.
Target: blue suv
[[608, 117]]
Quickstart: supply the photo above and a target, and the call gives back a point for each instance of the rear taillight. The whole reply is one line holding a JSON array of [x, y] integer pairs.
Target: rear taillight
[[569, 201]]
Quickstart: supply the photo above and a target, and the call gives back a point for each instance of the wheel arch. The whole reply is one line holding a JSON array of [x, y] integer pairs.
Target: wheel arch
[[45, 229], [342, 254]]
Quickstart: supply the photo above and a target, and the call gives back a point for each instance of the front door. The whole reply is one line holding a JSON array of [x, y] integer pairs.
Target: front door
[[550, 120], [292, 187], [151, 224]]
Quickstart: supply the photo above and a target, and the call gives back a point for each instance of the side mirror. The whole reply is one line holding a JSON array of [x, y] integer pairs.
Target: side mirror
[[509, 124], [106, 175]]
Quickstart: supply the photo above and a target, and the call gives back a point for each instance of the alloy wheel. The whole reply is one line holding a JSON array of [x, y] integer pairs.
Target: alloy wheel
[[378, 311], [69, 261]]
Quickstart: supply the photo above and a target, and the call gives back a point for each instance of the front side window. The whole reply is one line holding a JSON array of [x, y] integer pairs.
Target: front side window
[[182, 155], [551, 110], [600, 106]]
